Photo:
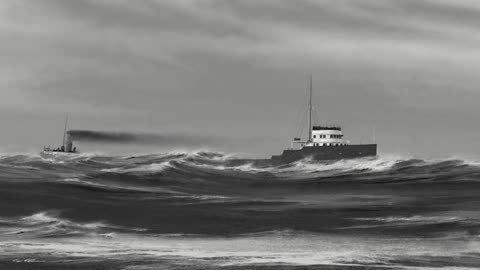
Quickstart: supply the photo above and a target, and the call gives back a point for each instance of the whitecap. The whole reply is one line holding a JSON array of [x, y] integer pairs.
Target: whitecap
[[379, 163], [49, 224], [414, 220], [82, 182], [149, 168]]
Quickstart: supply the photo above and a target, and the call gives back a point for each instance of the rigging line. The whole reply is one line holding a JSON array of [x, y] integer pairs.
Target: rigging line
[[299, 119], [316, 116], [301, 124], [308, 108]]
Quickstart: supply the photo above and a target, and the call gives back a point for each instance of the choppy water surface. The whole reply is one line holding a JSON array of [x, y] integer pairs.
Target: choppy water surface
[[195, 211]]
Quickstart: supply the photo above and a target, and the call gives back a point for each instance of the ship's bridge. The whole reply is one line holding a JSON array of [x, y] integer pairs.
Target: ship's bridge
[[324, 136], [327, 136]]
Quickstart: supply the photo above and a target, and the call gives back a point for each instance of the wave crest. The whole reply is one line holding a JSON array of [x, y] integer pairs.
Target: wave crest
[[204, 163], [49, 224]]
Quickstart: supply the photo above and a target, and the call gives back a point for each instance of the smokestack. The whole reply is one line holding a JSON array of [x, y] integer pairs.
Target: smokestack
[[68, 143]]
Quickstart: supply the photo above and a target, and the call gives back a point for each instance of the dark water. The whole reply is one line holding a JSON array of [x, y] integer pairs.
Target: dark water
[[194, 211]]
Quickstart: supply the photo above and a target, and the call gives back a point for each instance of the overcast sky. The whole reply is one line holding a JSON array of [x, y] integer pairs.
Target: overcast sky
[[239, 69]]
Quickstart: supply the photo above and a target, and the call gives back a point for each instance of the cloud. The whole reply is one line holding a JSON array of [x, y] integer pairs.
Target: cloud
[[82, 53], [269, 31]]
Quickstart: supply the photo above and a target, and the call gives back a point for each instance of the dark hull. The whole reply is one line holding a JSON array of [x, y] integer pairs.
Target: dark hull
[[327, 153], [55, 153], [319, 153]]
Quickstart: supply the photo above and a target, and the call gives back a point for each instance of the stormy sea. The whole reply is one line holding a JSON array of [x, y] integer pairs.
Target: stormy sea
[[199, 210]]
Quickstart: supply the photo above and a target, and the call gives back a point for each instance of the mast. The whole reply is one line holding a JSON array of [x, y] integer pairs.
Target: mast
[[310, 113], [65, 131]]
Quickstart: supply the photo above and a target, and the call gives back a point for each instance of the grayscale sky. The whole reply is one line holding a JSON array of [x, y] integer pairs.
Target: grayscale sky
[[239, 70]]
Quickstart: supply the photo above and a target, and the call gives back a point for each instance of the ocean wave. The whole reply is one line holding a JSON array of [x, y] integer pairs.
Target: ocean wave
[[49, 224], [204, 163], [149, 168], [415, 220], [82, 182], [220, 162], [276, 249], [208, 198], [436, 226]]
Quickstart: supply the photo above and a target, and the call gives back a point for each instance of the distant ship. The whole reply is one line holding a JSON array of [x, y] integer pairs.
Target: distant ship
[[66, 148], [325, 142]]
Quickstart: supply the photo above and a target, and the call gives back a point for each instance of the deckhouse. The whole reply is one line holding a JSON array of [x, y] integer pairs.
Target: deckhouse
[[327, 136], [322, 136]]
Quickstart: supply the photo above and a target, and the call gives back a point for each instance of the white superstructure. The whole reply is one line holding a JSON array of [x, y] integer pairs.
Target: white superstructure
[[322, 136], [326, 136]]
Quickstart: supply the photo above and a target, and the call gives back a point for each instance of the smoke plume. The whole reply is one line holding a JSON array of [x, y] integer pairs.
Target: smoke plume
[[174, 139]]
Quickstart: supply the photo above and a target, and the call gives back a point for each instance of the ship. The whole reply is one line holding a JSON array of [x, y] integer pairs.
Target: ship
[[66, 148], [324, 143]]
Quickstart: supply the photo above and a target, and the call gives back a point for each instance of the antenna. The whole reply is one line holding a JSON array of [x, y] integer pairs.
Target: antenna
[[374, 137], [65, 130], [310, 113]]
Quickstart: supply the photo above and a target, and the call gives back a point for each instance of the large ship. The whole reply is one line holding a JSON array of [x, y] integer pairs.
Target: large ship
[[66, 148], [324, 142]]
